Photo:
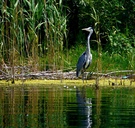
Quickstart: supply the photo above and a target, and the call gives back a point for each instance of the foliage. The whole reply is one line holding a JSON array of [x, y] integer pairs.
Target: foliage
[[110, 61], [120, 42], [47, 34], [30, 29], [110, 15]]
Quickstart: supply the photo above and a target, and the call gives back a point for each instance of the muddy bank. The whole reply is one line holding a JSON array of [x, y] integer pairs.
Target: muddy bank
[[58, 75], [124, 77]]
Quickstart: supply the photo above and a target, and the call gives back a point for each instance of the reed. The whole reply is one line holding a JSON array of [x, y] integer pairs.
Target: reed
[[34, 34], [32, 29]]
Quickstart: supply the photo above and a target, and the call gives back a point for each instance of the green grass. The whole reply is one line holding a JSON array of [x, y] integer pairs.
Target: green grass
[[35, 34], [110, 62]]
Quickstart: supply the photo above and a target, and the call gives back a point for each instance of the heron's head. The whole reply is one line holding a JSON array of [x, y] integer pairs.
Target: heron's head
[[89, 29]]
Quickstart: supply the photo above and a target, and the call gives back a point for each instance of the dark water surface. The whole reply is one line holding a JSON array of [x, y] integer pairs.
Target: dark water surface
[[62, 107]]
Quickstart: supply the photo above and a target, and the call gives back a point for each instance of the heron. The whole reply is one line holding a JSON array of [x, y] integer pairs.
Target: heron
[[85, 59]]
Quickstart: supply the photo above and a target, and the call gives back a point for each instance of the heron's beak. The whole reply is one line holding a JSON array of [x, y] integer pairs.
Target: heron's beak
[[86, 29]]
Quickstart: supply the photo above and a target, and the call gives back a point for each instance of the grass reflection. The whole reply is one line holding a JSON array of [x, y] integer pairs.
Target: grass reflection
[[60, 107]]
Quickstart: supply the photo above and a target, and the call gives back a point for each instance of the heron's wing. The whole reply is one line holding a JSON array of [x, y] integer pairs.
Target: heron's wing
[[80, 64], [88, 61]]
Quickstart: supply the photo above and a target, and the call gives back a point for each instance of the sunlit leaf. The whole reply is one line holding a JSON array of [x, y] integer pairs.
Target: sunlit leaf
[[15, 5]]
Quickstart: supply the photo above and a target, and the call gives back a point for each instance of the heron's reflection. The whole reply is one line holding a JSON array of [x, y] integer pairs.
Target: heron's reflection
[[84, 108]]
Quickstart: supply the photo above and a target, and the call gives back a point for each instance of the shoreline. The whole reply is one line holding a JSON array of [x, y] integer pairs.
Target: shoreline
[[109, 79], [103, 82]]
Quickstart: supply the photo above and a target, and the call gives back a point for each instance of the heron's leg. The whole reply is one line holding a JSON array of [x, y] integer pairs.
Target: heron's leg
[[90, 73], [83, 76], [86, 77]]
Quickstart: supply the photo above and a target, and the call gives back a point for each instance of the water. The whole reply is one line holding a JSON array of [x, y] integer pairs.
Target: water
[[62, 107]]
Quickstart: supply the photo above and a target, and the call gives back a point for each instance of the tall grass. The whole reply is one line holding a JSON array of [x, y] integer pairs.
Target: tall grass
[[31, 30], [110, 62], [33, 34]]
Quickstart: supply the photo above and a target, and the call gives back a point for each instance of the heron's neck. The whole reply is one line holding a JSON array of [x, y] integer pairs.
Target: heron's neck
[[88, 43]]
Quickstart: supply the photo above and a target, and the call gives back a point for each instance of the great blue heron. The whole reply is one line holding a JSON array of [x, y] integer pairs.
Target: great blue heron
[[85, 59]]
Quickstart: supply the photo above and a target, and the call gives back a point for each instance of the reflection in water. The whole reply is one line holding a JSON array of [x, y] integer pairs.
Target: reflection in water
[[79, 115], [83, 107]]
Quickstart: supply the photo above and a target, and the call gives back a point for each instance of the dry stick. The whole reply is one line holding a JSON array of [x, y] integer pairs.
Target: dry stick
[[54, 75], [109, 73], [3, 72]]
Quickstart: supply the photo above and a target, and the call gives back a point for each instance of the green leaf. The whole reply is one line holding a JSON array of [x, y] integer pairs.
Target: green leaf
[[15, 5]]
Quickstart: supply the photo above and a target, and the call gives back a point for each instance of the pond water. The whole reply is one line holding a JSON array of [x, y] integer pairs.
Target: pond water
[[66, 107]]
